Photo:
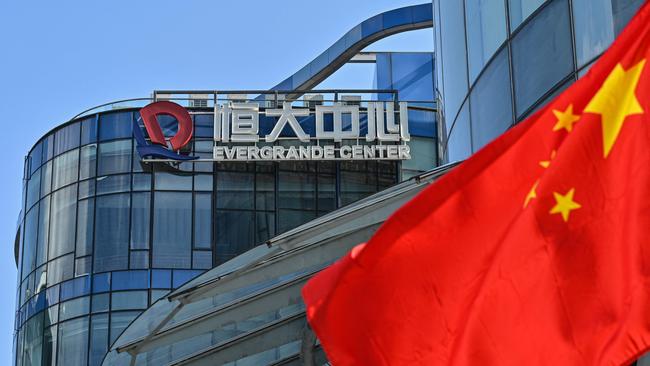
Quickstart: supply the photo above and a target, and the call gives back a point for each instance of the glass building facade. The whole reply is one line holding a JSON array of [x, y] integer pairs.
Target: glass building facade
[[500, 60], [103, 236]]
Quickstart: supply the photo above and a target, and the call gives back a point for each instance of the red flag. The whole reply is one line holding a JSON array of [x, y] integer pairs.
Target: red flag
[[535, 251]]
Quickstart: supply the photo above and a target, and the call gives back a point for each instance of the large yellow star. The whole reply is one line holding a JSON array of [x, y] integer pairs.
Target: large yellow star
[[615, 100], [564, 204], [565, 119]]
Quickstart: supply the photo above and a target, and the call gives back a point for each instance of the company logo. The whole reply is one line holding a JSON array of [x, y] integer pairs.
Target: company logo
[[160, 147]]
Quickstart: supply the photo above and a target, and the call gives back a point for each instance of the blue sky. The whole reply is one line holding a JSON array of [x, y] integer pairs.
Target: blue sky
[[59, 58]]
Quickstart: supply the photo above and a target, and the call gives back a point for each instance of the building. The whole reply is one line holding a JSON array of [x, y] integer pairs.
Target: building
[[106, 230], [104, 238], [498, 61]]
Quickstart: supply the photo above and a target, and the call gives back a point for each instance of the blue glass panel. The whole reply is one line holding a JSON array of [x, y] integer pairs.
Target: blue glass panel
[[74, 308], [413, 76], [129, 300], [115, 125], [98, 338], [67, 138], [182, 276], [520, 10], [115, 157], [35, 157], [140, 209], [202, 259], [169, 181], [63, 219], [113, 184], [85, 219], [130, 280], [172, 230], [372, 26], [48, 148], [100, 303], [75, 288], [161, 278], [202, 220], [101, 282], [111, 232], [89, 130], [52, 295], [141, 182], [541, 54], [422, 123], [398, 17], [29, 242], [491, 102], [203, 125], [459, 145], [168, 124], [486, 31], [73, 342], [624, 10]]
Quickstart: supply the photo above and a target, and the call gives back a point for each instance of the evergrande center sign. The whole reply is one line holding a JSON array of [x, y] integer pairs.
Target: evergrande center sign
[[334, 132]]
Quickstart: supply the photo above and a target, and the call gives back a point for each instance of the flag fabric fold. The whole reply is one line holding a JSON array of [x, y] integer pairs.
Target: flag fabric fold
[[534, 251]]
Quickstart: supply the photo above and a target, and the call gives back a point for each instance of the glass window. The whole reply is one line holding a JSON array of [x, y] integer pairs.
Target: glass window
[[75, 288], [100, 303], [63, 220], [234, 233], [624, 10], [65, 169], [182, 276], [141, 182], [140, 208], [49, 345], [594, 28], [203, 182], [412, 75], [202, 259], [129, 300], [83, 266], [66, 138], [111, 233], [119, 322], [85, 218], [48, 147], [235, 190], [139, 259], [98, 338], [86, 188], [289, 219], [88, 163], [130, 280], [161, 278], [46, 179], [459, 146], [89, 130], [356, 181], [297, 190], [172, 225], [43, 229], [520, 10], [486, 31], [33, 189], [115, 125], [35, 158], [172, 182], [264, 226], [203, 125], [202, 220], [491, 103], [29, 241], [115, 157], [60, 269], [73, 342], [74, 308], [33, 343], [113, 184], [541, 54], [101, 282], [265, 191]]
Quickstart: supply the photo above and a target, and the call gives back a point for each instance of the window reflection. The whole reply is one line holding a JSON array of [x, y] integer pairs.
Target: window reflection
[[115, 157], [111, 233], [63, 219], [520, 10], [172, 230], [486, 31], [73, 342], [65, 169]]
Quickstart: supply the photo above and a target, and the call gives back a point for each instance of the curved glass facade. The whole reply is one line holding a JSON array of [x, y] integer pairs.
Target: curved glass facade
[[499, 60], [105, 236]]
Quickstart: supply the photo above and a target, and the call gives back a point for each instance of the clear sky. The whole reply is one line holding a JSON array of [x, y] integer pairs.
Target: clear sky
[[58, 58]]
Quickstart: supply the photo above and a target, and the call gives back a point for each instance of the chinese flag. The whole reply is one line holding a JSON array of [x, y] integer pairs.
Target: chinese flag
[[535, 251]]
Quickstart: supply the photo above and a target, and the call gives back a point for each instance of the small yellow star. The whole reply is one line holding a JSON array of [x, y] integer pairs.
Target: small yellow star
[[532, 194], [615, 100], [546, 163], [565, 119], [564, 204]]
